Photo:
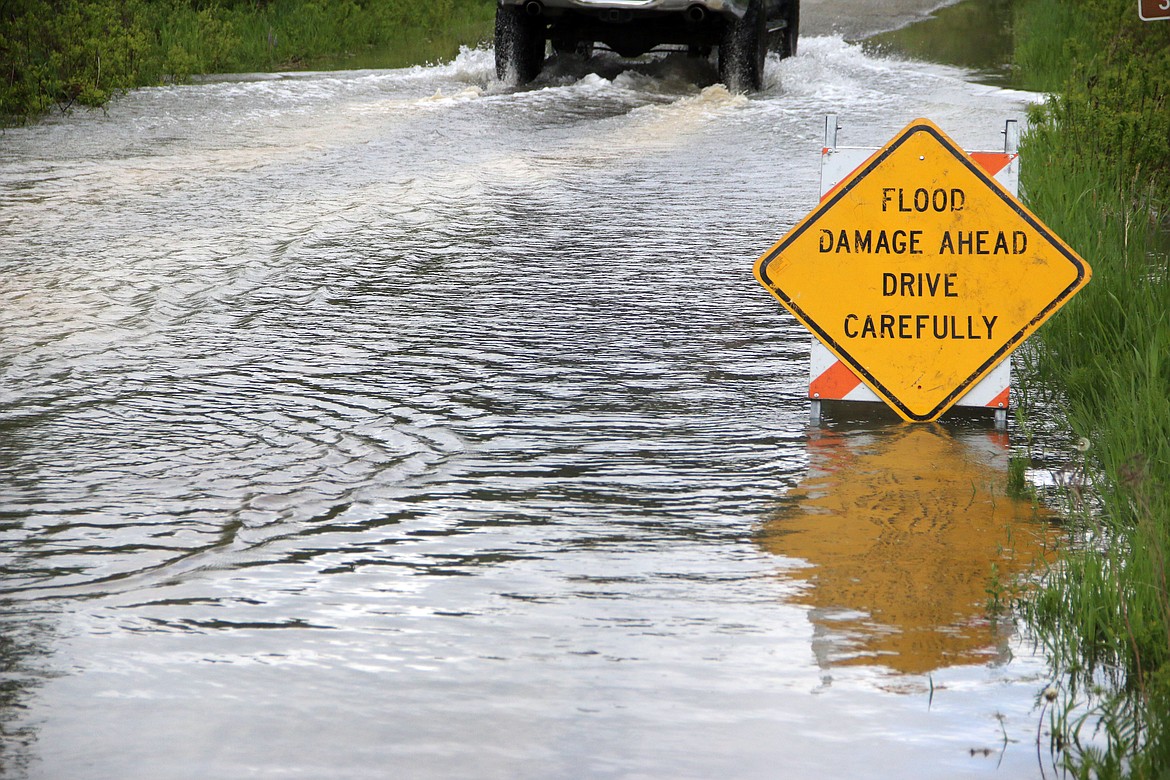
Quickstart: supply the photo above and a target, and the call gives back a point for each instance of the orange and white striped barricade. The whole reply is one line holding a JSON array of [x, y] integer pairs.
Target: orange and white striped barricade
[[832, 380]]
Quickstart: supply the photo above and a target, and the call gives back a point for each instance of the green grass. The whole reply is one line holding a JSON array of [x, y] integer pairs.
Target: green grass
[[307, 33], [1096, 169], [1048, 32], [66, 52]]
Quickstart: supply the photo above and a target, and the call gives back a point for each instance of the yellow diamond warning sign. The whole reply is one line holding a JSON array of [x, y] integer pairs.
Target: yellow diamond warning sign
[[920, 272]]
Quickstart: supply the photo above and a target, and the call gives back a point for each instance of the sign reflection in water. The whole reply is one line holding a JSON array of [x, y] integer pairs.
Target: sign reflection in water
[[907, 532]]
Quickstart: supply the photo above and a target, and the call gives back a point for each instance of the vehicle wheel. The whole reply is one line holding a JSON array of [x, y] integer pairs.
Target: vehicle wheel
[[742, 51], [787, 38], [519, 45]]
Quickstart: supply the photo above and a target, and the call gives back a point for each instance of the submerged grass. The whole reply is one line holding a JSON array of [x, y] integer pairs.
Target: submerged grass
[[1098, 173], [65, 52], [973, 35]]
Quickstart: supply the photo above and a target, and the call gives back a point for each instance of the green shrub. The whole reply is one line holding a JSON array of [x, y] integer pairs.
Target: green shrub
[[66, 52]]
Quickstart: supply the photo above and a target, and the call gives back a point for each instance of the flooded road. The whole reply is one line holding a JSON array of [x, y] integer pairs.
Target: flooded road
[[401, 424]]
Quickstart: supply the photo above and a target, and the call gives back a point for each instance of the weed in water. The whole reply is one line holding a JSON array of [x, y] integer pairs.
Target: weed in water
[[1018, 485]]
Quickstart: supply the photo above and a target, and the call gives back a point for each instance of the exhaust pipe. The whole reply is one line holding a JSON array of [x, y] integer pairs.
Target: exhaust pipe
[[696, 14], [533, 8]]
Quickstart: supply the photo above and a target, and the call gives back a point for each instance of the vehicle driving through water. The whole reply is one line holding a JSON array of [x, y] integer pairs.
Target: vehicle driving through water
[[742, 31]]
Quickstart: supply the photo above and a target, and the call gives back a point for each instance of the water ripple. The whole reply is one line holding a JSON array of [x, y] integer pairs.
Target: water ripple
[[425, 395]]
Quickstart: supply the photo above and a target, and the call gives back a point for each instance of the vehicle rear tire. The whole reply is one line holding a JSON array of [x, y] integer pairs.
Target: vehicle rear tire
[[786, 39], [519, 45], [743, 49]]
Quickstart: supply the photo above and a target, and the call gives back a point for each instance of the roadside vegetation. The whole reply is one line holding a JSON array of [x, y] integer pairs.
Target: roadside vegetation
[[60, 53], [1097, 171]]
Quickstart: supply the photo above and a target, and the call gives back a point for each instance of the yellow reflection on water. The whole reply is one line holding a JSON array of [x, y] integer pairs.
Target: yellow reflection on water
[[907, 532]]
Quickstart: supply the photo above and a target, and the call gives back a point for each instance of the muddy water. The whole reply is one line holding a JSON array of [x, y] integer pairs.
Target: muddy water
[[401, 424]]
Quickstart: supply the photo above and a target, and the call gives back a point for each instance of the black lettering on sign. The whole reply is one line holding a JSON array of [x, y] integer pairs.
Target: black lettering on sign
[[896, 242], [983, 242], [919, 285], [940, 327], [990, 323], [922, 200]]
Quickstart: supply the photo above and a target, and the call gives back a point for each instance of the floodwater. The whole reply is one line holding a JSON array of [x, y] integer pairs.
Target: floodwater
[[402, 424], [974, 35]]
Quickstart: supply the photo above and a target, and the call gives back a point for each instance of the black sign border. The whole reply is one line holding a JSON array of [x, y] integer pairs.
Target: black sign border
[[1010, 201]]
